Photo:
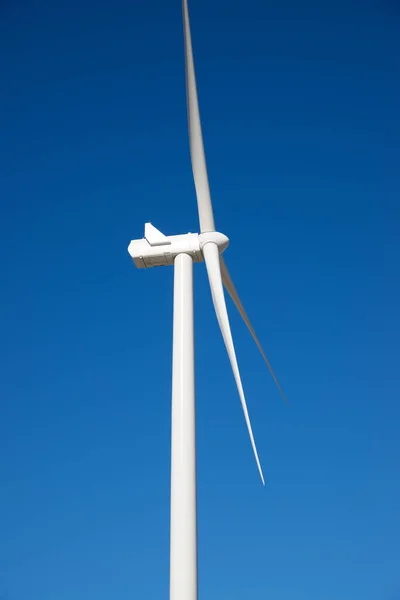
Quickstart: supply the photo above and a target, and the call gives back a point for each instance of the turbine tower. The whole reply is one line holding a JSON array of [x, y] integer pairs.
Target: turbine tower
[[181, 251]]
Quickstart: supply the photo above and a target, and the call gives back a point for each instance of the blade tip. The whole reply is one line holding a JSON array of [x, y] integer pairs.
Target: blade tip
[[261, 476]]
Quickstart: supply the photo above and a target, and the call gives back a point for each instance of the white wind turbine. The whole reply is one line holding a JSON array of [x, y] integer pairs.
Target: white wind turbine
[[154, 250]]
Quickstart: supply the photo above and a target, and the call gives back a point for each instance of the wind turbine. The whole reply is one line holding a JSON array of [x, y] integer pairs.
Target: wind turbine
[[181, 251]]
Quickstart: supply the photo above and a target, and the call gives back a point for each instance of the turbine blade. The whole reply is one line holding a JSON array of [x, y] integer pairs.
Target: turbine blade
[[199, 166], [228, 283], [211, 258]]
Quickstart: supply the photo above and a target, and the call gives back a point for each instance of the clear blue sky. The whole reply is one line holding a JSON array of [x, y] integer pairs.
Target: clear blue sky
[[300, 105]]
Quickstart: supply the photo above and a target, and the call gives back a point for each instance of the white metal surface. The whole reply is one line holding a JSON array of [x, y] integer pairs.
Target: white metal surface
[[158, 250], [183, 543], [212, 260]]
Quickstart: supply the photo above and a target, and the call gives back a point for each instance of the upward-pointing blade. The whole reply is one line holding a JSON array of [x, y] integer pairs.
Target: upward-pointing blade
[[228, 283], [211, 258], [199, 166]]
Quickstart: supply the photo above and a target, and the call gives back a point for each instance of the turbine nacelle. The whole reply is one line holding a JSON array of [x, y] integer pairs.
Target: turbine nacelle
[[159, 250]]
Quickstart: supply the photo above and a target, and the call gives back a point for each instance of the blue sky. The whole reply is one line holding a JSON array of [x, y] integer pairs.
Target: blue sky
[[300, 107]]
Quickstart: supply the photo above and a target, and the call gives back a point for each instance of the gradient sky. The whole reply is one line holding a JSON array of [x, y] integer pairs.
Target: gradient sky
[[300, 106]]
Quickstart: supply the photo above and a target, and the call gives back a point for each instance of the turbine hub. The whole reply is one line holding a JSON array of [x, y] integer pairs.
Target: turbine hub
[[221, 240]]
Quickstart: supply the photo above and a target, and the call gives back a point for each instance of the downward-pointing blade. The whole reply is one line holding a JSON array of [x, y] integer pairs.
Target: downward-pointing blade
[[228, 283], [199, 166], [211, 258]]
